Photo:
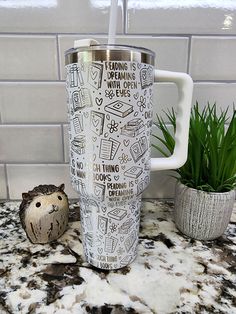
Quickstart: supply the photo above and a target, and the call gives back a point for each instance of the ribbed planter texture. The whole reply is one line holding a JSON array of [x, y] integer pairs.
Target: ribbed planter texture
[[202, 215]]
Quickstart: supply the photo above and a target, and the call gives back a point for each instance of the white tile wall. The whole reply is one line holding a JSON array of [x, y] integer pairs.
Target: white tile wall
[[56, 16], [23, 178], [3, 183], [30, 143], [181, 17], [213, 58], [32, 102], [28, 57], [33, 38]]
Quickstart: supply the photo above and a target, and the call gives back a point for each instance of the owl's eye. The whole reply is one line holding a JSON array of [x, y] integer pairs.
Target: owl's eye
[[38, 204], [59, 197]]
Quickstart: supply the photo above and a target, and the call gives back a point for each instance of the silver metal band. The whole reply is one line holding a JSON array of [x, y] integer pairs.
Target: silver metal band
[[110, 53]]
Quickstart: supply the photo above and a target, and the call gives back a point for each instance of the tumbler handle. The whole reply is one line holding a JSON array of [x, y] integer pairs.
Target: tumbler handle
[[185, 88]]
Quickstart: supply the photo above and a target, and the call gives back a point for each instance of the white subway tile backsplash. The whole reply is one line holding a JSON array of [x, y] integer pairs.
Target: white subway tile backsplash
[[213, 58], [180, 17], [33, 102], [28, 57], [171, 52], [66, 142], [31, 143], [223, 94], [3, 184], [23, 178], [57, 16]]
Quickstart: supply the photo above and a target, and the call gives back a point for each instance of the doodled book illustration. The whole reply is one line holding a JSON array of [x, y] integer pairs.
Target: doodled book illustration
[[139, 148], [110, 244], [134, 172], [146, 77], [97, 122], [126, 260], [95, 75], [78, 144], [117, 213], [133, 128], [99, 191], [108, 148], [129, 241], [78, 123], [125, 227], [81, 188], [75, 76], [102, 224], [81, 98], [119, 108]]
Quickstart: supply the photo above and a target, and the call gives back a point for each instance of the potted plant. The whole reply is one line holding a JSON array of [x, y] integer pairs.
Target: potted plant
[[205, 189]]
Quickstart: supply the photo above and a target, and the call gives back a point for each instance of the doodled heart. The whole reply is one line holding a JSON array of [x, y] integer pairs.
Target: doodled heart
[[116, 178], [98, 101], [100, 250], [136, 95], [126, 142], [86, 114], [95, 122], [93, 74], [94, 138]]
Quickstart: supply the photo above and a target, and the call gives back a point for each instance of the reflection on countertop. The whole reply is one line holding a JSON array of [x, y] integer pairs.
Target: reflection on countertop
[[172, 273]]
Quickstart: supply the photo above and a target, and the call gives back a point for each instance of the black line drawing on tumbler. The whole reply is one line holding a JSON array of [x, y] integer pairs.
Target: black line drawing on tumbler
[[133, 127], [88, 223], [99, 191], [81, 98], [139, 148], [126, 260], [81, 188], [146, 77], [129, 241], [110, 244], [78, 123], [89, 239], [78, 144], [95, 75], [75, 76], [97, 122], [117, 213], [125, 227], [119, 108], [102, 224], [108, 148], [133, 172]]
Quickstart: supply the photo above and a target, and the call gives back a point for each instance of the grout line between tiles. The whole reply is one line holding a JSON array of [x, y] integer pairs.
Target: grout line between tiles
[[189, 53], [125, 16], [63, 143], [105, 34], [7, 183], [58, 58]]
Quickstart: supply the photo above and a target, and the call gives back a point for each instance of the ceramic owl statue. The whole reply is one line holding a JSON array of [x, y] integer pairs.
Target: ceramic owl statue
[[44, 213]]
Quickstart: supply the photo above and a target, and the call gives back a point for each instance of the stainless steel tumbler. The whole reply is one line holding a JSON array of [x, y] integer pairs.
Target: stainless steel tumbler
[[110, 100]]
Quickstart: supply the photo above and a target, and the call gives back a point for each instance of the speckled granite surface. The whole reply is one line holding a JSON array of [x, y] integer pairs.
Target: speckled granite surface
[[172, 274]]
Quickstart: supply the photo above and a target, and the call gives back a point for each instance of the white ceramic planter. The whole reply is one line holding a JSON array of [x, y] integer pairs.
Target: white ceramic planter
[[201, 215]]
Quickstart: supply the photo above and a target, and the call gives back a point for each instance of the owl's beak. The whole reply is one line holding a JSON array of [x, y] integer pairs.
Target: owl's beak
[[54, 208]]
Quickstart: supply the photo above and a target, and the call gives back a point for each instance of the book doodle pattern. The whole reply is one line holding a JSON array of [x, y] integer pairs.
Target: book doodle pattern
[[110, 113]]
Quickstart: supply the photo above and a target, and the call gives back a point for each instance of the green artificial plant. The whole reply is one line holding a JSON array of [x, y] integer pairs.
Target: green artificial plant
[[211, 161]]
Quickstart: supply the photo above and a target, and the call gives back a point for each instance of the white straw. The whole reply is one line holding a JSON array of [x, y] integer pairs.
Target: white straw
[[112, 22]]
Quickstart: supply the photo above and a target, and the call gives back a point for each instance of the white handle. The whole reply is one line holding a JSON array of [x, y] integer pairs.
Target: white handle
[[185, 89]]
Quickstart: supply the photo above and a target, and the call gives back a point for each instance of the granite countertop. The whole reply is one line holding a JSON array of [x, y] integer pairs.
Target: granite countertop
[[172, 273]]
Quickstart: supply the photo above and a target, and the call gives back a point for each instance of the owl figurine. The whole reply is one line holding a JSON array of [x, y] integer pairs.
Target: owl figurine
[[44, 213]]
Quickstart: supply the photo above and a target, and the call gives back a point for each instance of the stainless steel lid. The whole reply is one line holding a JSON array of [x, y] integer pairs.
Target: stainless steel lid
[[109, 53]]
